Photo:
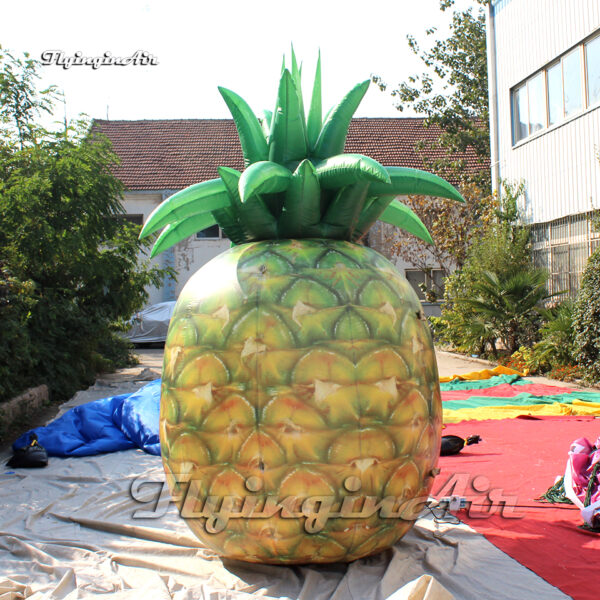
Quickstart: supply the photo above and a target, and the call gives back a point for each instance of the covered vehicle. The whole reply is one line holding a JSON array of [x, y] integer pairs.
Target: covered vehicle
[[151, 324]]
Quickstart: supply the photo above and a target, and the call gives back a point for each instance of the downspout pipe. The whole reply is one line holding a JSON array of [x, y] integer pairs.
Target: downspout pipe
[[493, 98]]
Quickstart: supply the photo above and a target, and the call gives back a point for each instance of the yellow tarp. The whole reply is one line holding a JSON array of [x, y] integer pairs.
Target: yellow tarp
[[484, 374], [482, 413]]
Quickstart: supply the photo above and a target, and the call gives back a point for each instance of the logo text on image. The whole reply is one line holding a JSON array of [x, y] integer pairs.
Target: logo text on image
[[140, 58], [316, 510]]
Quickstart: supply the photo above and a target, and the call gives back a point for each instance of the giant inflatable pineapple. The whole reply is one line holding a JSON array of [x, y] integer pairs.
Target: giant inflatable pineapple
[[300, 412]]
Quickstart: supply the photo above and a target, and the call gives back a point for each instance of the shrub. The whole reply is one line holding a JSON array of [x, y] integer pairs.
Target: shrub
[[586, 320], [523, 360], [497, 293], [565, 373], [16, 303], [69, 262], [557, 345]]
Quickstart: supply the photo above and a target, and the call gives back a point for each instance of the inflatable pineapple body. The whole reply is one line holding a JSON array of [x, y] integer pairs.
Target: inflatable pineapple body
[[300, 411]]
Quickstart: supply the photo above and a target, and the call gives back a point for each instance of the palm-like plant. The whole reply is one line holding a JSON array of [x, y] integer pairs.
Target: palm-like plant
[[509, 303]]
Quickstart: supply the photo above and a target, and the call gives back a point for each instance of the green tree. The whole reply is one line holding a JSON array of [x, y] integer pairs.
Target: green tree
[[497, 293], [453, 228], [70, 270], [452, 92], [21, 101]]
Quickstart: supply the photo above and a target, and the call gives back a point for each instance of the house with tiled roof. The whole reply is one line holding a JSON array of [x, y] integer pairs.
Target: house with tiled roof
[[160, 157]]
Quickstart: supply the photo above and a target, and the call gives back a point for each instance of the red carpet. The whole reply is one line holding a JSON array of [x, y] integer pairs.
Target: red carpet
[[517, 461]]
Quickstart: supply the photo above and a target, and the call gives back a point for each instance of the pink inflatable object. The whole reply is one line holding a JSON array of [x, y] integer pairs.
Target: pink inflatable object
[[582, 479]]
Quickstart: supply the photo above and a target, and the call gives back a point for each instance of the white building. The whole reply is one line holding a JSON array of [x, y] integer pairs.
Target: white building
[[544, 74], [160, 157]]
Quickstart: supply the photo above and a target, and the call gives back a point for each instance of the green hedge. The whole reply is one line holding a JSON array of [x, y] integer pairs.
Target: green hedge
[[587, 320]]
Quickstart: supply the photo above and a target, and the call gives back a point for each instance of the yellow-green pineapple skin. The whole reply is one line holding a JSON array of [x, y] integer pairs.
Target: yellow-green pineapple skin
[[299, 366]]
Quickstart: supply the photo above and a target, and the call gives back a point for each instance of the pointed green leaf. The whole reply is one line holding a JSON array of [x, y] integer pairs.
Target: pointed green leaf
[[263, 177], [403, 217], [266, 123], [228, 221], [259, 219], [405, 181], [313, 125], [332, 137], [297, 79], [302, 205], [295, 72], [327, 115], [370, 213], [231, 179], [287, 139], [256, 219], [344, 210], [252, 140], [345, 169], [180, 230], [194, 200]]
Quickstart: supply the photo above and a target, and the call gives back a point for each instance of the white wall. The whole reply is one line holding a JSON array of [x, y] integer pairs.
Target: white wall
[[144, 203], [186, 257], [558, 164], [191, 254]]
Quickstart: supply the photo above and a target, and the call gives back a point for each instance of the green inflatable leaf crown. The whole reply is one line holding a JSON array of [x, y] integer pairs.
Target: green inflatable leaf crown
[[297, 182]]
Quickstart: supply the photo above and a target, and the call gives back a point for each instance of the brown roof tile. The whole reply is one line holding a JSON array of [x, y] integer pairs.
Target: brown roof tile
[[172, 154]]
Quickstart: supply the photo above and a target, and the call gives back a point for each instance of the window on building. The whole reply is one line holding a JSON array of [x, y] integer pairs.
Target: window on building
[[433, 280], [562, 247], [537, 103], [592, 66], [214, 232], [572, 82], [520, 118], [565, 88], [135, 219], [555, 94]]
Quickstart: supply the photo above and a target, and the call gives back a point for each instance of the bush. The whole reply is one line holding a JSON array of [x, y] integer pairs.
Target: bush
[[523, 360], [557, 345], [16, 303], [586, 320], [61, 232], [69, 262], [565, 373], [497, 293]]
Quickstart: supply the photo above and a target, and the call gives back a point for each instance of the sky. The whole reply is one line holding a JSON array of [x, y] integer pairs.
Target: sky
[[232, 43]]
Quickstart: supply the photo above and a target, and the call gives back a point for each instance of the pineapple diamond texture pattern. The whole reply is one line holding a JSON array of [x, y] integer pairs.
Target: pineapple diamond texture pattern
[[297, 365]]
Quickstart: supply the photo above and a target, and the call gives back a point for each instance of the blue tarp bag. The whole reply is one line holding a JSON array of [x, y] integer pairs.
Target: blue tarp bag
[[108, 425]]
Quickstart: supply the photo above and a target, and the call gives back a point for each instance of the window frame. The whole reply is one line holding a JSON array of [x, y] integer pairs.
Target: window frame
[[513, 105], [428, 280], [581, 49], [527, 85], [199, 238], [583, 106], [595, 38], [556, 63]]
